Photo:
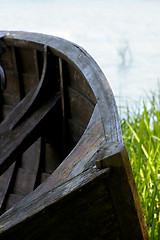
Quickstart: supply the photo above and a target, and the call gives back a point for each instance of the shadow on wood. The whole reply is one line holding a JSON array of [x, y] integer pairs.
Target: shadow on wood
[[65, 173]]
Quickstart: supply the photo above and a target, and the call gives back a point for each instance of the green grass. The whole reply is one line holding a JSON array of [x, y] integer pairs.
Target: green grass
[[141, 136]]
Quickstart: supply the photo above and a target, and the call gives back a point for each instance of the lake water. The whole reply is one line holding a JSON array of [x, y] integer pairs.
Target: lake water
[[123, 36]]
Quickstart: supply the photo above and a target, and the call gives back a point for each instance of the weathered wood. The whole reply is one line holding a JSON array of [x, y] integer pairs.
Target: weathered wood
[[20, 138], [81, 61], [11, 94], [78, 82], [91, 194], [75, 131], [77, 100], [123, 190], [2, 79], [5, 181], [24, 183], [31, 157], [82, 205], [52, 159], [12, 188], [62, 89], [27, 69], [12, 200], [77, 161], [17, 113]]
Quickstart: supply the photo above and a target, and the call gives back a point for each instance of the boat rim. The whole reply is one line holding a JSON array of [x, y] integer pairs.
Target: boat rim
[[83, 62]]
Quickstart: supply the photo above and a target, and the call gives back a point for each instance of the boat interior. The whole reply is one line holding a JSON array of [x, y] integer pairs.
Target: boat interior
[[25, 70]]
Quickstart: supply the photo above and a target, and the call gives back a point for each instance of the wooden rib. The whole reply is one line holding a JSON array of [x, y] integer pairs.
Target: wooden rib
[[16, 70], [62, 86], [31, 157], [62, 102], [78, 160], [11, 95], [5, 179], [21, 186], [15, 116], [77, 112], [7, 176], [20, 138], [28, 72], [36, 63], [29, 164], [2, 78]]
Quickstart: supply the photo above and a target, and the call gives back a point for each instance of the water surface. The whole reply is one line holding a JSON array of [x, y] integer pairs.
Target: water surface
[[123, 36]]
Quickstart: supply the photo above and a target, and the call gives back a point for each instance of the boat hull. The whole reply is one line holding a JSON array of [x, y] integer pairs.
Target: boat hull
[[65, 172]]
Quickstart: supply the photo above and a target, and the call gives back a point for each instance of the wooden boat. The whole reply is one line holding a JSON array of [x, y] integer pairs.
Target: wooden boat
[[65, 173]]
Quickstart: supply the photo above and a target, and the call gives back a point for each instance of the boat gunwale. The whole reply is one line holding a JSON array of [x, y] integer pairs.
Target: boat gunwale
[[83, 62], [109, 137]]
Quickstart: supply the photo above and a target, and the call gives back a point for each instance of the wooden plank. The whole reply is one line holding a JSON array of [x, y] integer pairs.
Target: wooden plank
[[75, 132], [31, 157], [123, 190], [10, 96], [12, 200], [62, 88], [24, 182], [78, 160], [12, 93], [44, 176], [84, 201], [26, 59], [109, 126], [83, 62], [5, 181], [17, 113], [20, 138], [52, 158], [28, 81], [27, 69], [78, 82], [81, 108], [6, 109], [64, 103], [27, 102]]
